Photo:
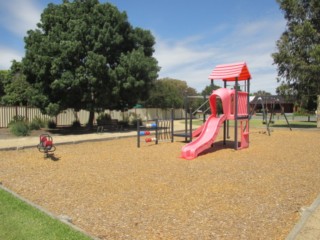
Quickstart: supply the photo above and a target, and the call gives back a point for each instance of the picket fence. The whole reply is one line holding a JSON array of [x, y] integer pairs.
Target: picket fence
[[67, 117]]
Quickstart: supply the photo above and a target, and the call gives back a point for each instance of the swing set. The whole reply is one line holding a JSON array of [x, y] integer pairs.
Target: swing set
[[274, 104]]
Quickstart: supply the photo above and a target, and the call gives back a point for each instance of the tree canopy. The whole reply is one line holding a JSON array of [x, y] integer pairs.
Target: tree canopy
[[3, 78], [298, 55], [16, 90], [207, 91], [261, 93], [169, 93], [86, 55]]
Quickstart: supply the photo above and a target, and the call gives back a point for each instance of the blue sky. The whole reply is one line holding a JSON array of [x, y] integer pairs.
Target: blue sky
[[192, 37]]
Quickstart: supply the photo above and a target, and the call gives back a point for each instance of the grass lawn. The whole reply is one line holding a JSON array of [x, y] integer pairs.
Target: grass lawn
[[277, 123], [18, 220]]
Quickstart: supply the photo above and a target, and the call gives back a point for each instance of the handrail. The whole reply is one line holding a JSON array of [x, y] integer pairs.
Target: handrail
[[195, 111]]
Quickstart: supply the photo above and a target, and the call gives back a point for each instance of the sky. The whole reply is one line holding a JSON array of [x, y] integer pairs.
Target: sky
[[192, 36]]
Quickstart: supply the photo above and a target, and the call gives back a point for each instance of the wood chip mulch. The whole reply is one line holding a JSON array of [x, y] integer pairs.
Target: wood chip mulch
[[113, 190]]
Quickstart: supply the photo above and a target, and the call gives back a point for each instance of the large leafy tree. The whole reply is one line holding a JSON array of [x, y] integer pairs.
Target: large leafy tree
[[86, 55], [3, 79], [16, 89], [207, 91], [169, 93], [298, 55]]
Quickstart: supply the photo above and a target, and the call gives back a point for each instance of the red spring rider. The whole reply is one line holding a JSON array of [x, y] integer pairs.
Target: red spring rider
[[46, 144]]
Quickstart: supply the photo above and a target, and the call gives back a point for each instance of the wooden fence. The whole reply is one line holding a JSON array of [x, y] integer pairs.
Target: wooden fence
[[67, 117]]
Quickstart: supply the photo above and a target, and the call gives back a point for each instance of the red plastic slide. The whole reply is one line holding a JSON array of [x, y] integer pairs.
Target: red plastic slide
[[207, 137]]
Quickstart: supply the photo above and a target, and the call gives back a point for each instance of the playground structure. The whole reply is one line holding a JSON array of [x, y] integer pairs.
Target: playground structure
[[157, 131], [188, 134], [46, 145], [235, 106]]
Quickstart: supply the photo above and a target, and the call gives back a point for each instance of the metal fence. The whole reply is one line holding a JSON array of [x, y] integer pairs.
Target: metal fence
[[67, 117]]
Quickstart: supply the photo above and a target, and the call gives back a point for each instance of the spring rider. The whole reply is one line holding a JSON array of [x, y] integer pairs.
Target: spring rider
[[46, 145]]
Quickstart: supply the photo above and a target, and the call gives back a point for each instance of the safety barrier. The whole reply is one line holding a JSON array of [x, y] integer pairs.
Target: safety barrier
[[242, 103]]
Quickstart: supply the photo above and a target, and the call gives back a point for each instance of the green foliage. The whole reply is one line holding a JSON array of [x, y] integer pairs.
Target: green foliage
[[262, 93], [21, 221], [17, 118], [52, 124], [76, 124], [169, 93], [103, 117], [18, 126], [18, 91], [298, 56], [37, 123], [303, 112], [53, 109], [3, 79], [86, 55], [207, 91]]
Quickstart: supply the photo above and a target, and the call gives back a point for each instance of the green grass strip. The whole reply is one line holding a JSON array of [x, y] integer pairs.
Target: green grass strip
[[19, 220], [259, 123]]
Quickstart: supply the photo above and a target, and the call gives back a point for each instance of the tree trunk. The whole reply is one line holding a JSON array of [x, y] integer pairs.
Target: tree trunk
[[90, 120]]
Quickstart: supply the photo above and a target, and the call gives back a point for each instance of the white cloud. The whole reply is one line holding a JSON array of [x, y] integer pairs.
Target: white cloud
[[18, 16], [192, 61], [7, 56], [172, 55]]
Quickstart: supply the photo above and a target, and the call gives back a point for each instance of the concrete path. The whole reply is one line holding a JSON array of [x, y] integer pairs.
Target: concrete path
[[308, 227]]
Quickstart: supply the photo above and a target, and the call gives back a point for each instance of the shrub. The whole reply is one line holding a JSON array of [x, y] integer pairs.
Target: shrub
[[103, 117], [17, 118], [76, 124], [19, 128], [302, 112], [37, 123], [52, 124]]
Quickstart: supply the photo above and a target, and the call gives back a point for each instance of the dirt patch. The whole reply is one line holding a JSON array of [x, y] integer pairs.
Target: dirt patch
[[115, 191]]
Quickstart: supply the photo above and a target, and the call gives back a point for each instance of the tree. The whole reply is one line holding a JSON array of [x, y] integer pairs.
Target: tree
[[262, 93], [3, 79], [169, 93], [207, 91], [298, 56], [86, 55], [16, 90]]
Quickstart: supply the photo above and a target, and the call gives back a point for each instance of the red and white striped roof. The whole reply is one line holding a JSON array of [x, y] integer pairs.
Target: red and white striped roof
[[229, 72]]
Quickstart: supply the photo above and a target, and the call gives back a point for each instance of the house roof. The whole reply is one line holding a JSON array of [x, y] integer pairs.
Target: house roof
[[229, 72], [270, 99]]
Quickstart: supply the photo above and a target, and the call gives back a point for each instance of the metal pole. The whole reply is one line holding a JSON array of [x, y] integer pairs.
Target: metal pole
[[287, 121], [248, 102], [138, 134], [186, 119], [224, 123], [236, 116], [204, 109], [190, 125], [157, 126], [172, 123]]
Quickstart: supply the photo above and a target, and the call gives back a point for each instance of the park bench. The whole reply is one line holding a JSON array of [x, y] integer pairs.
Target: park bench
[[110, 124]]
